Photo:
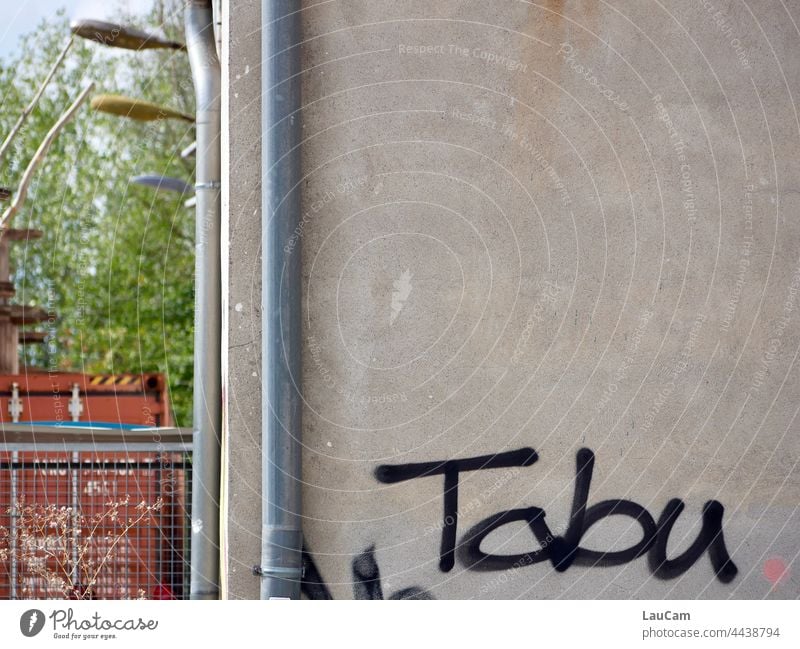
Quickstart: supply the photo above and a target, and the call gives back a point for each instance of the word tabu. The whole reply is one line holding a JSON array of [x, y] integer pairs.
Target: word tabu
[[565, 551]]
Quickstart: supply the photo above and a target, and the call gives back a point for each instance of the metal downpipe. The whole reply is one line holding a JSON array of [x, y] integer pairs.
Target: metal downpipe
[[207, 417], [281, 537]]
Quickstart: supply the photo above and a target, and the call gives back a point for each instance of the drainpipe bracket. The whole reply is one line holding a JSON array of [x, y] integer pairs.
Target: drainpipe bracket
[[277, 572]]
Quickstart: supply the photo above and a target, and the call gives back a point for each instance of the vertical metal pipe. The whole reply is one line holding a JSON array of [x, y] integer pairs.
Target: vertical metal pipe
[[281, 537], [207, 418]]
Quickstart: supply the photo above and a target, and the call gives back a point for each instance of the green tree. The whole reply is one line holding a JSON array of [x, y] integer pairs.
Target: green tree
[[116, 262]]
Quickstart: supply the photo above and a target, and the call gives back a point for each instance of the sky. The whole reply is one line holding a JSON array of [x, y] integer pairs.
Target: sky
[[22, 16]]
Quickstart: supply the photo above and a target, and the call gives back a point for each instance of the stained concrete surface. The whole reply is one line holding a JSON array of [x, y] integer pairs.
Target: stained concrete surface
[[556, 225]]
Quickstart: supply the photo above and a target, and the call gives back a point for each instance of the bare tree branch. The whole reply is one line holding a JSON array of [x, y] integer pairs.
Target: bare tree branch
[[38, 157], [29, 108]]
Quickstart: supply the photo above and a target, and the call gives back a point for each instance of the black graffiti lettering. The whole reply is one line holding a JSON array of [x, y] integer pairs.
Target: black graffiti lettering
[[412, 593], [366, 576], [450, 523], [392, 473], [366, 580], [312, 584], [473, 557], [561, 551], [565, 551], [710, 538], [608, 508]]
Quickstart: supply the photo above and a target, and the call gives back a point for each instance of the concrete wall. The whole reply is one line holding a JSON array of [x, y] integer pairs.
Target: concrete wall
[[557, 226]]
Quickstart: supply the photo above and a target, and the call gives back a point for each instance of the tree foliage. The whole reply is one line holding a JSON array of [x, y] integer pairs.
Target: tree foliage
[[116, 262]]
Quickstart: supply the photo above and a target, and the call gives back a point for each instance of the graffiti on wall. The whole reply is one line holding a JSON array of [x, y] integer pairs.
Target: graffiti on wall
[[366, 580], [561, 551], [565, 550]]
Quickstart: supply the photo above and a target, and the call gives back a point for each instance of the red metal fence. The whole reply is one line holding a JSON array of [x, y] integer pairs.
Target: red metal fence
[[102, 520]]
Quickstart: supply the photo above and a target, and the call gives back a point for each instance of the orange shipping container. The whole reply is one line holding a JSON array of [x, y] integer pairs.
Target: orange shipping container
[[71, 396]]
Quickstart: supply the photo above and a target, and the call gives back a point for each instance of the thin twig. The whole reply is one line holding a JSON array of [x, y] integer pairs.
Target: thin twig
[[46, 557], [147, 511]]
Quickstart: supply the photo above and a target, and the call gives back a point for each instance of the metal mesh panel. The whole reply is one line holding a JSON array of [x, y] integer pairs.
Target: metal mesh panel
[[94, 524]]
